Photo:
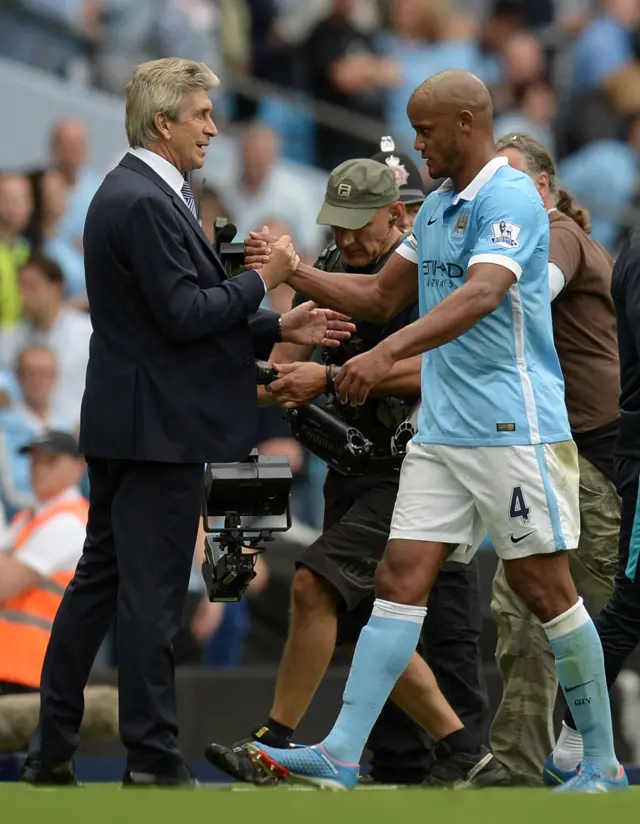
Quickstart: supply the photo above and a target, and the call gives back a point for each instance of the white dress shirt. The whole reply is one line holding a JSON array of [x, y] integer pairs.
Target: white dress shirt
[[167, 171]]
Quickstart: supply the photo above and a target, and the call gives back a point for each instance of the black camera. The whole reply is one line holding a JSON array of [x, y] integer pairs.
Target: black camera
[[252, 499], [340, 445], [265, 374], [231, 254]]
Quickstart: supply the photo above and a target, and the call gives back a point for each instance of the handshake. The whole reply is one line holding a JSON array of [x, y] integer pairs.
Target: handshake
[[275, 258], [307, 324]]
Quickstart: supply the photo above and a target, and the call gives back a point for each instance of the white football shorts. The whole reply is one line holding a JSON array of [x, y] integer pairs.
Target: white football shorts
[[524, 497]]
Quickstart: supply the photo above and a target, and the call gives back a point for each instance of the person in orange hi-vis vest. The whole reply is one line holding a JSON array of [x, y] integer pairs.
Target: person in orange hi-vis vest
[[39, 552]]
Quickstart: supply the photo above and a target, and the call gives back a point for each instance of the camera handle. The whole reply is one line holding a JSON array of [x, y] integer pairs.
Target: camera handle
[[228, 570]]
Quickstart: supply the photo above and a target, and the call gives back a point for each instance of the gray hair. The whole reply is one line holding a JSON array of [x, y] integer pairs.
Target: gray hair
[[161, 86], [537, 159]]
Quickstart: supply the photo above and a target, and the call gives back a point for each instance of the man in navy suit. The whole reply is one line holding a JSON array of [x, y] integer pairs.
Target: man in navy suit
[[171, 385]]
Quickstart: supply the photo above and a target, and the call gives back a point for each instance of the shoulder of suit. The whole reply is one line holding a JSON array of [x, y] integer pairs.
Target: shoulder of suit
[[134, 179]]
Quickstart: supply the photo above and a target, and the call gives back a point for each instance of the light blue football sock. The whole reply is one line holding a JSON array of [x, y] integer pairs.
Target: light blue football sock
[[383, 651], [580, 666]]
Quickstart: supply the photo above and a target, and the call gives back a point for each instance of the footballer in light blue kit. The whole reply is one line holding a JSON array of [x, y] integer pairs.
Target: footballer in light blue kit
[[498, 385], [493, 450]]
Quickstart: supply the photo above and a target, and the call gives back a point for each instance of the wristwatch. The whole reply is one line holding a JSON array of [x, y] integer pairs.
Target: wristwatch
[[332, 373]]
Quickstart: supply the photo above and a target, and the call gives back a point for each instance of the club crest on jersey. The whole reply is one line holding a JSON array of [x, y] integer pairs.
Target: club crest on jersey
[[461, 225], [505, 234]]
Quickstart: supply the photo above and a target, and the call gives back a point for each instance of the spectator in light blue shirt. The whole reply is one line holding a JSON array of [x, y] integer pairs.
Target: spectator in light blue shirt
[[607, 172], [605, 45], [533, 115], [426, 39], [21, 420], [69, 150], [258, 184], [52, 197]]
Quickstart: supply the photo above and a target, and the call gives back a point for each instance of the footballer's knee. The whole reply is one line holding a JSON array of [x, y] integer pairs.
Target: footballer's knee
[[311, 594], [407, 571], [544, 583]]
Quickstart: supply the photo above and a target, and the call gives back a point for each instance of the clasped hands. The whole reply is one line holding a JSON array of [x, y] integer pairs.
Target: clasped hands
[[306, 324], [276, 260]]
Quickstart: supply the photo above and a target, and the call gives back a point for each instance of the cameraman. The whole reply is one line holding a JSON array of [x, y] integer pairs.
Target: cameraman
[[332, 592]]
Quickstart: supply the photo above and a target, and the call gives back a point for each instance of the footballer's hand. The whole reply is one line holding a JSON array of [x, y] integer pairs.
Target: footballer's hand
[[360, 374], [257, 248], [283, 262]]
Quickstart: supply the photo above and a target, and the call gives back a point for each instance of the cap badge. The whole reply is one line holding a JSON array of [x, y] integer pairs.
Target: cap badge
[[344, 190], [400, 171]]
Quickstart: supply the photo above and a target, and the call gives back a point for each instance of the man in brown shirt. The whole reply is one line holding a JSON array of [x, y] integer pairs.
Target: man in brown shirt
[[585, 333]]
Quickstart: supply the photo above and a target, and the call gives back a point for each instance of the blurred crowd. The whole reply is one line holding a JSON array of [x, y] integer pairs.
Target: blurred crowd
[[310, 81], [565, 71]]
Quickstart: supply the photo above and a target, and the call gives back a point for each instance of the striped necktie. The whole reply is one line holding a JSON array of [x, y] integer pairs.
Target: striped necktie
[[187, 194]]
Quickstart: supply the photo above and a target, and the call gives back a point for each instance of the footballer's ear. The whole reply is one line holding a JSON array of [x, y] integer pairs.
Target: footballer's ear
[[466, 121]]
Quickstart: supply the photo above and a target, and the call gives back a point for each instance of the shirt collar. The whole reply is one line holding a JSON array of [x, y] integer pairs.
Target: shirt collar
[[167, 171], [484, 176]]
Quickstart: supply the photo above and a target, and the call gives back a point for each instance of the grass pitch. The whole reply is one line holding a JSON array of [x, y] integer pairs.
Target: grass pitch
[[102, 803]]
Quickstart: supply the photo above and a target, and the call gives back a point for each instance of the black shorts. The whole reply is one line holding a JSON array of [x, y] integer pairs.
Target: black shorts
[[357, 519]]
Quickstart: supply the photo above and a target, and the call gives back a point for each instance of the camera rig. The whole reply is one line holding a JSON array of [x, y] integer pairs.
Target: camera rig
[[231, 254], [341, 446], [252, 498]]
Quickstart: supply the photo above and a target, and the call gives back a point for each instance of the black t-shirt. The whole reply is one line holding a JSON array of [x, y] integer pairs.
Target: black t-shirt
[[331, 40], [625, 290], [378, 417]]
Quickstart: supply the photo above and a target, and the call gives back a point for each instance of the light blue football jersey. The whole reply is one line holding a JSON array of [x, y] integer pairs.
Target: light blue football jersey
[[500, 383]]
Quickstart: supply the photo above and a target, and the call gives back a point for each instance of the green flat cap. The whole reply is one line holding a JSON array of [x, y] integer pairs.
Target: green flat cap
[[356, 189]]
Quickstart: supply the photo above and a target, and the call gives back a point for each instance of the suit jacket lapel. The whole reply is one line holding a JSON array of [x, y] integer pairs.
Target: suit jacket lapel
[[129, 161]]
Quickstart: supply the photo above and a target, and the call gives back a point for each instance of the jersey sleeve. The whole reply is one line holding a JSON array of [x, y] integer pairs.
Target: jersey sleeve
[[510, 227], [408, 249]]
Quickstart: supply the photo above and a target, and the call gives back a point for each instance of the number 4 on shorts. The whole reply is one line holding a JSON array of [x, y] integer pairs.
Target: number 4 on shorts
[[518, 507]]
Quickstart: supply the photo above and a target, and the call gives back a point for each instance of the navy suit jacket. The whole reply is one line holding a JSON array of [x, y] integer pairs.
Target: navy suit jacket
[[171, 374]]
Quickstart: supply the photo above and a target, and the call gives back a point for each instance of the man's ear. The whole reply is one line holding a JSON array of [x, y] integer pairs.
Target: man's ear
[[397, 213], [466, 121], [542, 183], [160, 121]]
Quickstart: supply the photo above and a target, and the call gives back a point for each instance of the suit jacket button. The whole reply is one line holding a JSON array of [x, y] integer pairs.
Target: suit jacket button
[[250, 361]]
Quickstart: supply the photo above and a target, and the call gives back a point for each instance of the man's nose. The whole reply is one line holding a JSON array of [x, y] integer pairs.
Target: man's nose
[[211, 128]]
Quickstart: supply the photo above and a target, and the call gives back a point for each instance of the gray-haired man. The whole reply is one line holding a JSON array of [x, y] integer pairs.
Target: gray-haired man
[[164, 314]]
